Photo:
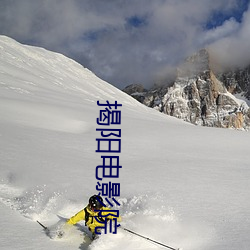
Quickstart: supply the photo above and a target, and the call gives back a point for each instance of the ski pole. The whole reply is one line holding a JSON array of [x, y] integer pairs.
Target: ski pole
[[125, 229], [45, 228]]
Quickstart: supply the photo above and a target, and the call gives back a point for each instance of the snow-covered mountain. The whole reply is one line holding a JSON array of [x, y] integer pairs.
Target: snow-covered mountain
[[201, 96], [182, 185]]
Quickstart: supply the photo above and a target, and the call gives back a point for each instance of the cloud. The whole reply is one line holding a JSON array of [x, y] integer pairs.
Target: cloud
[[121, 41], [232, 50], [228, 28]]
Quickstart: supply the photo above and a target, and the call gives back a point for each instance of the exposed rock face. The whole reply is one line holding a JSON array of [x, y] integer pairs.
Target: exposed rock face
[[237, 81], [137, 91], [199, 97]]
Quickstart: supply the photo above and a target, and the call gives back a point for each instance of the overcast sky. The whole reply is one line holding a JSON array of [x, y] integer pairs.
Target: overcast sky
[[131, 41]]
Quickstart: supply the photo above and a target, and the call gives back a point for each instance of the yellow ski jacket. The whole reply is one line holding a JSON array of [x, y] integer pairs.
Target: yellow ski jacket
[[90, 217]]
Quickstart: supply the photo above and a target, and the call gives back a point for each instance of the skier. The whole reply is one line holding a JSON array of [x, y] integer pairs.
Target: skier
[[94, 215]]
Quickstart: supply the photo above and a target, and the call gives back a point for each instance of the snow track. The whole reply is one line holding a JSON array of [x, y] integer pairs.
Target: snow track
[[144, 214], [32, 204], [140, 213]]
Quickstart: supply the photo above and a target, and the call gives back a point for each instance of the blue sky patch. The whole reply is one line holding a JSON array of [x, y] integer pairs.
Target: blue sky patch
[[219, 17], [136, 21]]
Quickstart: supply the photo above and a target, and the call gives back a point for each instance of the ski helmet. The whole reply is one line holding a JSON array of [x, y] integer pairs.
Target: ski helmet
[[95, 202]]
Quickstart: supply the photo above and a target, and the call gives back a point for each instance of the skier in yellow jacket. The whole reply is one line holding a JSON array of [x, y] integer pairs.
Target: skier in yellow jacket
[[94, 215]]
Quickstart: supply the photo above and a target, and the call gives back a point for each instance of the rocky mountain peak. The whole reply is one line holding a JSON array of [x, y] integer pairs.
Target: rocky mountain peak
[[197, 64], [200, 96]]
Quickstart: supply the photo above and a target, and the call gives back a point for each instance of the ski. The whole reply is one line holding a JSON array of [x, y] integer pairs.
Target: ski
[[56, 232]]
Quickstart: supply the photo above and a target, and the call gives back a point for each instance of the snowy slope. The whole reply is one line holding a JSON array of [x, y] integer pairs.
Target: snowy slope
[[182, 185]]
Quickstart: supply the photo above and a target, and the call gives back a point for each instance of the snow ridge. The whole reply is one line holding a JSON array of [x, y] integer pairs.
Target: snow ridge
[[183, 185]]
